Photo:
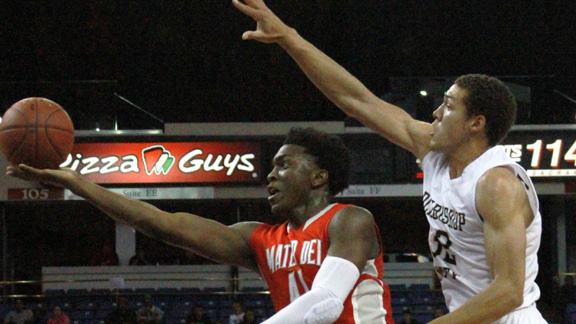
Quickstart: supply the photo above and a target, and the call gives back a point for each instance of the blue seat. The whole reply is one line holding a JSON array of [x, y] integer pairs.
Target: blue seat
[[101, 314], [570, 318], [106, 305], [397, 309], [54, 292], [81, 315], [125, 291], [100, 292], [77, 292], [400, 301], [570, 315], [66, 306], [423, 318], [169, 291], [397, 287], [143, 291], [33, 306], [422, 299], [419, 287], [188, 290], [174, 320], [428, 309], [261, 312], [213, 312], [209, 302], [180, 309], [86, 305], [255, 302]]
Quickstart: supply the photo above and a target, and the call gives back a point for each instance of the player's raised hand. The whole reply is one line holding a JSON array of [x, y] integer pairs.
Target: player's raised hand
[[62, 177], [269, 28]]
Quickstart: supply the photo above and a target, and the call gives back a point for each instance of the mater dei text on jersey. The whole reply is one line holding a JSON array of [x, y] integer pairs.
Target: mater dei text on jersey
[[285, 255]]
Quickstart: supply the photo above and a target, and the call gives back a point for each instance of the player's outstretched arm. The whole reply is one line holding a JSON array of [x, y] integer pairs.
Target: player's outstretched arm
[[211, 239], [337, 84]]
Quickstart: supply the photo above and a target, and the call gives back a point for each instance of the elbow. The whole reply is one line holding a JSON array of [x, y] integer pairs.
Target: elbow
[[513, 297], [517, 299]]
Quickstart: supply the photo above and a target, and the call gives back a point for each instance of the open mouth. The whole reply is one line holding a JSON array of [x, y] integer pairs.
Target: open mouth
[[273, 192]]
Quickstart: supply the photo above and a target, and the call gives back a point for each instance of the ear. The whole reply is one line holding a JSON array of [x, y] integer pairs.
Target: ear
[[319, 177], [478, 124]]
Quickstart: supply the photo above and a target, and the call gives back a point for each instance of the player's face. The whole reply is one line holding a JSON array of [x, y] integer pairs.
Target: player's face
[[289, 183], [450, 122]]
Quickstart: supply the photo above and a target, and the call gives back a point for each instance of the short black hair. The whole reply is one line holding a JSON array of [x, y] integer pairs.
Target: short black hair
[[491, 98], [328, 151]]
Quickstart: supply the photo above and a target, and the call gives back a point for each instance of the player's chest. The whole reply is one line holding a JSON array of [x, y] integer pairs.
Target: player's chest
[[295, 251]]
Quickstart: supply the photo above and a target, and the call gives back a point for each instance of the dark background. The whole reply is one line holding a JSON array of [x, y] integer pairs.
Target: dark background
[[184, 61]]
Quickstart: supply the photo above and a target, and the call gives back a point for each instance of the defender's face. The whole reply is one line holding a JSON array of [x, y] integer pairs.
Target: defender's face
[[289, 183], [449, 126]]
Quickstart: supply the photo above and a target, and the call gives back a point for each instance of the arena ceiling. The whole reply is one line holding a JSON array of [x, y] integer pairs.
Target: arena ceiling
[[109, 61]]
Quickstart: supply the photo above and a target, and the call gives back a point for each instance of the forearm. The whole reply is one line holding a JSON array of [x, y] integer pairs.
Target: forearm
[[136, 213], [353, 98], [333, 80], [203, 236], [488, 306], [323, 304]]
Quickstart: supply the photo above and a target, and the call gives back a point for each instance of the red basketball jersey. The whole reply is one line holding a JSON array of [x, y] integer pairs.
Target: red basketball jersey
[[290, 258]]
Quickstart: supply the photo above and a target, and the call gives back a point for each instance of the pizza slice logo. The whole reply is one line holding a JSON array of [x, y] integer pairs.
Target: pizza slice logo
[[157, 160]]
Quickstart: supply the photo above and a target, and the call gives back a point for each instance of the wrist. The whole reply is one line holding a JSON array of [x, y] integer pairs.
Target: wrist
[[289, 38]]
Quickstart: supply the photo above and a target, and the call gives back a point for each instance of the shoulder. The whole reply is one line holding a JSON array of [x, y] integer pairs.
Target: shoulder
[[352, 218], [354, 211], [246, 229], [498, 180], [500, 192]]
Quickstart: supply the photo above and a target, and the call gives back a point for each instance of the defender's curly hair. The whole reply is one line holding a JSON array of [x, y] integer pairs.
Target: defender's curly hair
[[491, 98], [328, 151]]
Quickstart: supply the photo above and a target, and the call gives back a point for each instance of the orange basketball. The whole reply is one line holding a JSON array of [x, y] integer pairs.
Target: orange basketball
[[37, 132]]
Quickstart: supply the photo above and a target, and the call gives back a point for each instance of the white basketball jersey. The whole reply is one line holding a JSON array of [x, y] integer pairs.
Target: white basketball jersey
[[456, 235]]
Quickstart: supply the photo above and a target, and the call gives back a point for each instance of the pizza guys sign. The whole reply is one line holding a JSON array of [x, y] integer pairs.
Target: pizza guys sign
[[181, 162]]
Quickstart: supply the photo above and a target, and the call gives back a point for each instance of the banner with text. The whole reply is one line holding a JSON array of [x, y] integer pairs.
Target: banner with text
[[178, 162]]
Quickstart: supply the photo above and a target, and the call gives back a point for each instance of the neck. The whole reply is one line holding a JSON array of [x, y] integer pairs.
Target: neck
[[462, 157], [302, 214]]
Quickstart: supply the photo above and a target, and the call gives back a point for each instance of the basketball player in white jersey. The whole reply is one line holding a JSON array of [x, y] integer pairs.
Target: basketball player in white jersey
[[485, 226]]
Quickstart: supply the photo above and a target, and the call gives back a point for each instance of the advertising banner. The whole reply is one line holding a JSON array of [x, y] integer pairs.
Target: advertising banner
[[178, 162]]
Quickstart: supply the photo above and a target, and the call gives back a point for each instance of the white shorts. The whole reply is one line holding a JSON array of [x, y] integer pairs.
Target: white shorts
[[527, 315]]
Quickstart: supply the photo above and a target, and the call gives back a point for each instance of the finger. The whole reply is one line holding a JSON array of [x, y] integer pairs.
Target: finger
[[247, 35], [245, 9], [26, 167], [257, 35], [11, 170]]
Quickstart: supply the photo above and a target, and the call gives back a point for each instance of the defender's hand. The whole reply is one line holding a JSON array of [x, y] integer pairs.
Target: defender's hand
[[269, 28]]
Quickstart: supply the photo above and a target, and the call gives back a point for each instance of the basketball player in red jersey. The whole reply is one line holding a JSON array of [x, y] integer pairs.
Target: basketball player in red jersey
[[323, 265]]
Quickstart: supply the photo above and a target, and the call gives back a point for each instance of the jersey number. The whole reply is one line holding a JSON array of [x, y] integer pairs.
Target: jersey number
[[443, 245], [293, 284]]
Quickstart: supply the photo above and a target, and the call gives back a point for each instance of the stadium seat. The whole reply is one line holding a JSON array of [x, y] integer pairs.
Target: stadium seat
[[423, 318], [419, 287], [86, 305], [397, 287]]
